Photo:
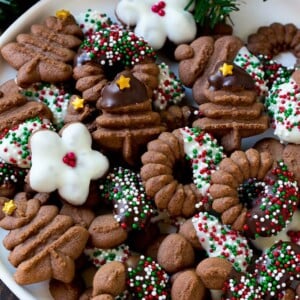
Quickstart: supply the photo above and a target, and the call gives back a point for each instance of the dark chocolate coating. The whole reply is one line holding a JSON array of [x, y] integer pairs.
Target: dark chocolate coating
[[113, 96], [276, 270], [283, 258], [239, 80], [267, 201]]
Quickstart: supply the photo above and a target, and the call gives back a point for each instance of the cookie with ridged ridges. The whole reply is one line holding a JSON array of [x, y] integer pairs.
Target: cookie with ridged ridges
[[46, 53], [43, 244], [250, 205], [200, 59], [275, 38], [128, 122], [163, 165]]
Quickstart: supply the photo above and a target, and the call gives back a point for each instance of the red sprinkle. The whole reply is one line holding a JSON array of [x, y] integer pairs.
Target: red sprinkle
[[70, 159]]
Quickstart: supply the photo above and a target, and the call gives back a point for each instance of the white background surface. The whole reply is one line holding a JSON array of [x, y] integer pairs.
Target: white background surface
[[252, 14]]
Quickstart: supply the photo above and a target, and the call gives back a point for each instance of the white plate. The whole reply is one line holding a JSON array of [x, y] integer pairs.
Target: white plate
[[252, 13]]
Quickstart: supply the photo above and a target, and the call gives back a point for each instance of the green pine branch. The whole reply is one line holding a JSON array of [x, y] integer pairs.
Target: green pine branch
[[212, 12]]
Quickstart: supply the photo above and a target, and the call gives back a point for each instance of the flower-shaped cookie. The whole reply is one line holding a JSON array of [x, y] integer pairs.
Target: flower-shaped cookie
[[156, 20], [65, 163]]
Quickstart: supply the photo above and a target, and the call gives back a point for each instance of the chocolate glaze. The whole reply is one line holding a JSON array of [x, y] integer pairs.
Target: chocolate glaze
[[239, 80], [271, 274], [253, 203], [125, 211], [112, 96], [264, 200], [282, 258], [236, 279]]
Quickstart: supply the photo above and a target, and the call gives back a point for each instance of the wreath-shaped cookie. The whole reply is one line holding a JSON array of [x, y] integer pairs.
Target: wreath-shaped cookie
[[252, 195]]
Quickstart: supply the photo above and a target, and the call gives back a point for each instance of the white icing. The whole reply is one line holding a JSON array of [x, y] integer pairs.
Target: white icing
[[220, 240], [48, 171], [53, 96], [263, 243], [283, 103], [101, 256], [205, 154], [166, 223], [169, 91], [177, 24], [253, 66], [92, 20], [14, 144], [282, 99]]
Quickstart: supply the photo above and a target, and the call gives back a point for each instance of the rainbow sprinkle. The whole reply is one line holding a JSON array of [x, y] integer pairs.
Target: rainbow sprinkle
[[10, 173], [220, 240], [277, 268], [254, 67], [283, 106], [92, 21], [278, 201], [99, 257], [244, 287]]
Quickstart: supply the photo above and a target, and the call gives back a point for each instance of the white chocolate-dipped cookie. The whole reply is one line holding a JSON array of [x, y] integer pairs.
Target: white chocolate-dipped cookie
[[65, 163], [220, 240], [158, 20]]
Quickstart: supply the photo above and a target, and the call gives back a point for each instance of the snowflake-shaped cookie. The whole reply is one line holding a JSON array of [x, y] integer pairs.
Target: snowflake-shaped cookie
[[65, 163], [156, 21]]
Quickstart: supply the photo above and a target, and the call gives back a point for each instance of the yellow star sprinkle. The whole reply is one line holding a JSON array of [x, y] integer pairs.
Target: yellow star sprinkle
[[9, 207], [123, 82], [62, 14], [226, 69], [78, 103]]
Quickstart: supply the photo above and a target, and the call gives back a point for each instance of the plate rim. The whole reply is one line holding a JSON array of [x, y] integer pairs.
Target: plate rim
[[21, 291]]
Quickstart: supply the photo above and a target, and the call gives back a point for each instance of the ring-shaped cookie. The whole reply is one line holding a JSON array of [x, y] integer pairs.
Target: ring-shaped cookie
[[109, 51], [279, 85], [166, 157], [269, 194], [274, 39]]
